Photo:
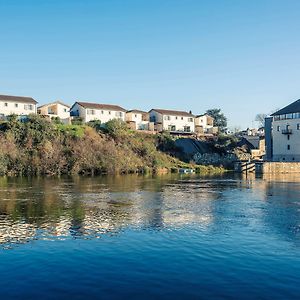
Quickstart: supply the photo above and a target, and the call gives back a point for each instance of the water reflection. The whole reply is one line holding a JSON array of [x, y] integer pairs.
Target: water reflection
[[47, 208]]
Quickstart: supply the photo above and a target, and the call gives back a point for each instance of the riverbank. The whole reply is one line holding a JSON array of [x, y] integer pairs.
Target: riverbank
[[40, 147]]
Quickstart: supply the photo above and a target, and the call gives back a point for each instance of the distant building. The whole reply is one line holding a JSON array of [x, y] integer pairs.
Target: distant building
[[54, 110], [282, 132], [172, 120], [18, 105], [204, 124], [138, 120], [94, 111]]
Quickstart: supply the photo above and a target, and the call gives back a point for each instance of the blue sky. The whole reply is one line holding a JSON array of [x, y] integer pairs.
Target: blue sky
[[238, 55]]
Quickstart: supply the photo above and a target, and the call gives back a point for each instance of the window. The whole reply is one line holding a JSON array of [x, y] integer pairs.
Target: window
[[278, 128], [298, 126], [28, 106], [176, 118], [16, 104], [190, 119], [181, 118], [289, 147], [288, 136], [65, 110], [135, 115], [5, 104], [167, 118], [90, 112], [289, 116], [102, 112], [276, 118], [109, 112]]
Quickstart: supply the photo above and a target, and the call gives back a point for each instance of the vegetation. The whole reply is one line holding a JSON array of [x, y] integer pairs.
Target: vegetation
[[219, 118], [37, 146]]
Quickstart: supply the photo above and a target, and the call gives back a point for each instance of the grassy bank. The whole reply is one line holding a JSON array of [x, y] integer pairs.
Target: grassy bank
[[39, 147]]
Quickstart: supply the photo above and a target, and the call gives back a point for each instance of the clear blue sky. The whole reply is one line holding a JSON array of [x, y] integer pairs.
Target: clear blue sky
[[242, 56]]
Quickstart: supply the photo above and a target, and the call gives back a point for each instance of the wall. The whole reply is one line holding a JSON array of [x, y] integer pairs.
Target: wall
[[12, 109], [281, 141], [277, 167], [138, 119], [99, 114]]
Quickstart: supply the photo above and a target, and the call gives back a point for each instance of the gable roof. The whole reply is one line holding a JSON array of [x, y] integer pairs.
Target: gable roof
[[18, 99], [55, 102], [137, 111], [100, 106], [291, 108], [198, 116], [173, 112]]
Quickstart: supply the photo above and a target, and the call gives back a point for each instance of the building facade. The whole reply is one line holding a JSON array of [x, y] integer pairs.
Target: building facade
[[54, 110], [204, 124], [100, 112], [172, 120], [282, 131], [138, 120], [17, 105]]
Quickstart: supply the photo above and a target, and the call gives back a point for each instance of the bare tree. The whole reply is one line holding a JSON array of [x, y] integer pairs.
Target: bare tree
[[260, 118]]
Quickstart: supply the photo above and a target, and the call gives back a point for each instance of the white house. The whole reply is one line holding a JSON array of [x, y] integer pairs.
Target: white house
[[172, 120], [55, 109], [138, 120], [205, 124], [94, 111], [17, 105], [282, 134]]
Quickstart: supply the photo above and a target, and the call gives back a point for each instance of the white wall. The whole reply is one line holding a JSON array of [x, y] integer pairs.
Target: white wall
[[281, 141], [170, 120], [14, 107], [62, 111], [103, 115], [138, 119]]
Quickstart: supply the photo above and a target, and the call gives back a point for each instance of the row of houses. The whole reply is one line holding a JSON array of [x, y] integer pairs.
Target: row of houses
[[155, 120]]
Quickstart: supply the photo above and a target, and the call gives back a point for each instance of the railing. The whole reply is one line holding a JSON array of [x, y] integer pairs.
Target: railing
[[286, 131]]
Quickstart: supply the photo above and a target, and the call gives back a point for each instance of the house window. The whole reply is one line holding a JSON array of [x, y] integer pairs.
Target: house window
[[28, 106], [288, 136], [278, 128], [289, 147], [90, 112], [135, 116], [176, 118], [65, 110], [102, 112], [190, 119], [289, 116], [109, 112], [298, 126], [16, 104], [5, 104], [167, 118]]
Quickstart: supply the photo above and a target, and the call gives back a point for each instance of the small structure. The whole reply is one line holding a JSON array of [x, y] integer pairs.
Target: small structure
[[17, 105], [94, 111], [139, 120], [179, 122], [55, 109], [204, 124]]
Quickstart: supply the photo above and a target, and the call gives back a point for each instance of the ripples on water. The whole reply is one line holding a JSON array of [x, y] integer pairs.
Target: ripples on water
[[145, 237]]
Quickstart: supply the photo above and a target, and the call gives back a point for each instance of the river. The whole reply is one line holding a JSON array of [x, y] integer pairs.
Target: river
[[147, 237]]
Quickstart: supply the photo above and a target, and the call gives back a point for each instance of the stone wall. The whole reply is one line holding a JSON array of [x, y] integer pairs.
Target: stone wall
[[277, 167]]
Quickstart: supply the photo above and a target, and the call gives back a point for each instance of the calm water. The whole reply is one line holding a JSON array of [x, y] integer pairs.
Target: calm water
[[134, 237]]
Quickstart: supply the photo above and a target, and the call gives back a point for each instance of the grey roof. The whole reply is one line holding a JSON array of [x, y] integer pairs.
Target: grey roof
[[137, 111], [18, 99], [173, 112], [291, 108], [100, 106]]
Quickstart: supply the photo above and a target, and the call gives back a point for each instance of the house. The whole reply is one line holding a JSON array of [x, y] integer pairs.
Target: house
[[54, 110], [18, 105], [204, 124], [95, 111], [138, 120], [172, 120], [282, 134]]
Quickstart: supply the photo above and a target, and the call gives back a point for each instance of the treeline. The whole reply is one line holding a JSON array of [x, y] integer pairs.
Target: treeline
[[37, 146]]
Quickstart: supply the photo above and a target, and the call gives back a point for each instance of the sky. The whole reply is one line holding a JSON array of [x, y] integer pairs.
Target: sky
[[238, 55]]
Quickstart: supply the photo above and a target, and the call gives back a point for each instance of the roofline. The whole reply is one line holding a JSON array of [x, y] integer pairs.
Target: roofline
[[94, 103], [178, 111], [33, 100], [55, 102]]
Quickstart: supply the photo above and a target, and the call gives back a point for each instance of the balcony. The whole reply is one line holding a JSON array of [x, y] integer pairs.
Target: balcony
[[286, 131]]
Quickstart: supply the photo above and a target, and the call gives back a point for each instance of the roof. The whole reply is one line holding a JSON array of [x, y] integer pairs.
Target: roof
[[55, 102], [101, 106], [18, 99], [173, 112], [291, 108], [137, 111], [198, 116]]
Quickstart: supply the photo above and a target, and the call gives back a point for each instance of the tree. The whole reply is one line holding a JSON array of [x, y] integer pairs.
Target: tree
[[260, 118], [219, 118]]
